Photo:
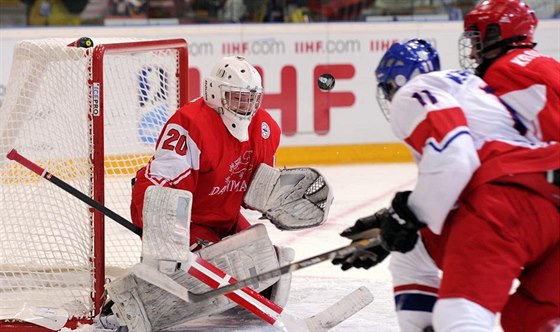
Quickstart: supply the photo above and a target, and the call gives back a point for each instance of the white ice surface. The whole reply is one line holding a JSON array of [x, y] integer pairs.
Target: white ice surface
[[359, 190]]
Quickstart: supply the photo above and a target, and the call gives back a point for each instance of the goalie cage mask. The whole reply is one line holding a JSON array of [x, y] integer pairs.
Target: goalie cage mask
[[234, 90]]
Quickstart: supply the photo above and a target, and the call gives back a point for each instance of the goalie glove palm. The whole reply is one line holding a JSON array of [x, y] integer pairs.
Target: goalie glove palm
[[293, 198], [364, 228]]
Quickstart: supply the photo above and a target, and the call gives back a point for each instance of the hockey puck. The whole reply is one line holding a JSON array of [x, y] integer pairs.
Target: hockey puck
[[326, 82], [85, 42]]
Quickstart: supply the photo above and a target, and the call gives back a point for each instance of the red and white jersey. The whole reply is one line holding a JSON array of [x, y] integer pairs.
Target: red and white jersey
[[529, 82], [460, 134], [195, 152]]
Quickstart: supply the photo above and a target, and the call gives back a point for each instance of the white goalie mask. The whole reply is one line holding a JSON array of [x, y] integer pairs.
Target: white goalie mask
[[234, 90]]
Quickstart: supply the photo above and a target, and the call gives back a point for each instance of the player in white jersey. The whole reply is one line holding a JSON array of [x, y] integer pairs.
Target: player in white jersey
[[482, 202]]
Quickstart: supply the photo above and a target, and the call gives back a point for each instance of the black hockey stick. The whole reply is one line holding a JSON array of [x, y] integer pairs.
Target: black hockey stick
[[196, 297], [329, 255]]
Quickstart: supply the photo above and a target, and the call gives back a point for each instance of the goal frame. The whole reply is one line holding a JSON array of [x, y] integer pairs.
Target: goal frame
[[97, 155]]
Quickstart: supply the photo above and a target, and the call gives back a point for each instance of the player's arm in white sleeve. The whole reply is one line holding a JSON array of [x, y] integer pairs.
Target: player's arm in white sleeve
[[447, 157], [177, 155], [442, 176]]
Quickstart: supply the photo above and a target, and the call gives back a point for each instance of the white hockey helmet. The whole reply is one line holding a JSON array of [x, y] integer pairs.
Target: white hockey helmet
[[234, 90]]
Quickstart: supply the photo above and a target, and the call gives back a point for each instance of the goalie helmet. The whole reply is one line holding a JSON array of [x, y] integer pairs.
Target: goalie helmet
[[492, 28], [400, 64], [234, 90]]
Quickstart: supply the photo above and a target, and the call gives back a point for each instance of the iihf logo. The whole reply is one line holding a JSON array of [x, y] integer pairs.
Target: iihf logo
[[265, 130]]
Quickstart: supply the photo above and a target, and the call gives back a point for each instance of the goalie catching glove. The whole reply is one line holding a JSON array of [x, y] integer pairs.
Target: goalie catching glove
[[294, 198]]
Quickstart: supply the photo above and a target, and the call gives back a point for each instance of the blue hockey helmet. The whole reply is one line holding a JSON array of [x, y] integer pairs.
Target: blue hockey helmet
[[402, 62]]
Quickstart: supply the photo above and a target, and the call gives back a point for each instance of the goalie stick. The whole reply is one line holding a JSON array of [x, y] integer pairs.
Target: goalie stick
[[50, 318], [257, 304]]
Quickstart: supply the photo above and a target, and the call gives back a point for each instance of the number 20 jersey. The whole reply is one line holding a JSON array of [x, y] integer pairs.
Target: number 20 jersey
[[195, 152], [461, 135]]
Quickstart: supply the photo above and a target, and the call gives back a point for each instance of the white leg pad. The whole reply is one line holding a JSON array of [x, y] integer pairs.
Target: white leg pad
[[142, 306], [241, 255], [244, 254], [165, 239], [128, 307], [281, 289]]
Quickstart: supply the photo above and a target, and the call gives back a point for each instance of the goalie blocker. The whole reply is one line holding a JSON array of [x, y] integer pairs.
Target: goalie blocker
[[291, 199]]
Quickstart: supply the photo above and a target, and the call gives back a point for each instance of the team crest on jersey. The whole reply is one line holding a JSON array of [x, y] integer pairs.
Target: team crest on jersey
[[236, 181], [265, 130]]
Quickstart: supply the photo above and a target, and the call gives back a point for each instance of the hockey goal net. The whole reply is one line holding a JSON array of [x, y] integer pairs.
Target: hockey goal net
[[90, 116]]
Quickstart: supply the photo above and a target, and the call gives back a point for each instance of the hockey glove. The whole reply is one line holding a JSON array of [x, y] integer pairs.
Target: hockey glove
[[399, 225], [369, 257]]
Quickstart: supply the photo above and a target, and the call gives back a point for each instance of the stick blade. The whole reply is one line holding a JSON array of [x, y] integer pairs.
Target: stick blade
[[340, 311], [50, 318]]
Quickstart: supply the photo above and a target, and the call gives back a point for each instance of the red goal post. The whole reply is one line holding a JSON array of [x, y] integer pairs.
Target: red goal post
[[91, 116]]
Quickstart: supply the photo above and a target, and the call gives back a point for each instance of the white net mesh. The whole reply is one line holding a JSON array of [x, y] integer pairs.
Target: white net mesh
[[46, 235]]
